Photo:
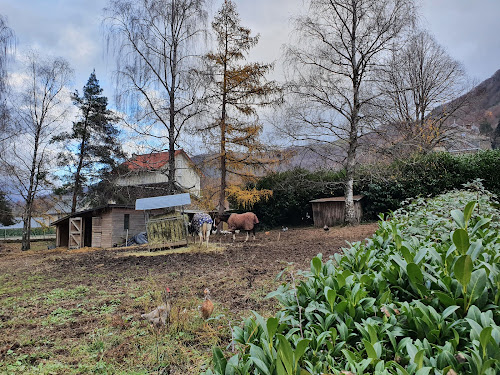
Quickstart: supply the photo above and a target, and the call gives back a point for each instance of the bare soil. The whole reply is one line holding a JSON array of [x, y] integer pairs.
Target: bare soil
[[238, 274]]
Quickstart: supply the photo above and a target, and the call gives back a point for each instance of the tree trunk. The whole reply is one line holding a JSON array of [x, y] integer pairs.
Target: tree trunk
[[78, 172], [171, 128], [223, 156], [26, 238], [350, 216], [28, 208]]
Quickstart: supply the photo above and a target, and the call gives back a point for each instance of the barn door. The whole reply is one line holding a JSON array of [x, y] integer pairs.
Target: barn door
[[75, 233]]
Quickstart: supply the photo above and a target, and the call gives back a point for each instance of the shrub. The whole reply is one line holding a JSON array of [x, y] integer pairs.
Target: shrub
[[421, 296], [421, 175], [292, 191]]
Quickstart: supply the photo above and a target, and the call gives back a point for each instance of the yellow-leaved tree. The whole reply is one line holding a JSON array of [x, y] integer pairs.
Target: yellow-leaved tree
[[235, 89]]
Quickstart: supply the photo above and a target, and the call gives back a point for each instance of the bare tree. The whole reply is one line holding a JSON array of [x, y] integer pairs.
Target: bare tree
[[6, 44], [339, 45], [38, 112], [155, 45], [416, 81]]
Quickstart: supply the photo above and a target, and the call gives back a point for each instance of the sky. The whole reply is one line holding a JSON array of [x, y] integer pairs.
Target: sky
[[468, 29]]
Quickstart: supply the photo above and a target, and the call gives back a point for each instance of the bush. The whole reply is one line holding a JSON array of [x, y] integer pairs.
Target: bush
[[292, 191], [427, 175], [421, 175], [419, 297]]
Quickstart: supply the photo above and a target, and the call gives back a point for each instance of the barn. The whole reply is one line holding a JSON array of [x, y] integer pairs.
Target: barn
[[331, 211], [104, 226]]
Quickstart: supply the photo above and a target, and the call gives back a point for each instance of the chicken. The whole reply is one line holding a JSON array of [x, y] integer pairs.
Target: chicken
[[161, 315], [207, 307]]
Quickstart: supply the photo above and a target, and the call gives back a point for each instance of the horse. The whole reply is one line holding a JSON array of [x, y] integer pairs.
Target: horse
[[202, 224], [246, 221]]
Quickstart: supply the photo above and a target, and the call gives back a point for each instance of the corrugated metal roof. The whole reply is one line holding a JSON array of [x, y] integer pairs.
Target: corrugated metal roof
[[164, 201], [336, 199]]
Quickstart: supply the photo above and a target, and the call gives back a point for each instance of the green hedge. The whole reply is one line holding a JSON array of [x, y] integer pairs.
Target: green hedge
[[427, 175], [421, 175]]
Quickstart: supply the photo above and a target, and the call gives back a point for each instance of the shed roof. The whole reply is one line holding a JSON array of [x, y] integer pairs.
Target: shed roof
[[96, 209], [337, 199], [163, 201]]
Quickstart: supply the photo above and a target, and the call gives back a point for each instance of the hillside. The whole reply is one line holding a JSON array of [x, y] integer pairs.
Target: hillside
[[486, 102]]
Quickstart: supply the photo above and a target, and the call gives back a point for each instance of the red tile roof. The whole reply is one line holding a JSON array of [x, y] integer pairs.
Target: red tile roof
[[152, 161]]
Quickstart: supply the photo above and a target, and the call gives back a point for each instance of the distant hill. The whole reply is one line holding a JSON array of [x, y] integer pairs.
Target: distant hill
[[481, 106], [485, 105]]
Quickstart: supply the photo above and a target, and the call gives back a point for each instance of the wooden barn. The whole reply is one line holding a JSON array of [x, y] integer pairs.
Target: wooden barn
[[331, 211], [105, 226]]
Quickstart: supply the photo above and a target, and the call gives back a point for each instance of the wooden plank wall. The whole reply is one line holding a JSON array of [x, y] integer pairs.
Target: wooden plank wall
[[136, 224], [96, 231], [332, 213]]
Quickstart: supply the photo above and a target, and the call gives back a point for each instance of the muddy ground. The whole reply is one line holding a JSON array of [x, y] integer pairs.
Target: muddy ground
[[55, 302]]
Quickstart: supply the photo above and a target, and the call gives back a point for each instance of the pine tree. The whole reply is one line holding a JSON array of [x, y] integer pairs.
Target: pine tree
[[6, 217], [236, 90], [93, 141]]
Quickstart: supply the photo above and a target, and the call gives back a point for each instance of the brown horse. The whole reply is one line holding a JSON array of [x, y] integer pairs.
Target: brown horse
[[246, 221]]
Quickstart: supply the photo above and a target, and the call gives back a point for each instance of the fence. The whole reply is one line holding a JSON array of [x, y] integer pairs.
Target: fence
[[36, 233]]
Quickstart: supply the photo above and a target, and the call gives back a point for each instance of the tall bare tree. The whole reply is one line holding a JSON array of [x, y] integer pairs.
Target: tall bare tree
[[416, 81], [6, 44], [155, 45], [235, 90], [339, 45], [39, 110]]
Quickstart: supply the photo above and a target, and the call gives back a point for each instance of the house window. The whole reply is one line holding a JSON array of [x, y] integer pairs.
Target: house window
[[126, 221]]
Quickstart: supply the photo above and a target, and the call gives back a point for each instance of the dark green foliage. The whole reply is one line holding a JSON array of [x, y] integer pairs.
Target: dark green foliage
[[292, 191], [421, 175], [92, 146], [485, 128], [495, 138], [428, 175], [6, 217]]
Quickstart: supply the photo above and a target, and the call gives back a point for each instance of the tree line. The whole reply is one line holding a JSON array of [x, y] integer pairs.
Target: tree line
[[352, 68]]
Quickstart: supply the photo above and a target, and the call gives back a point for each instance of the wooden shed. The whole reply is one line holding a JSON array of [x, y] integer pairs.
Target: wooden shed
[[105, 226], [331, 211]]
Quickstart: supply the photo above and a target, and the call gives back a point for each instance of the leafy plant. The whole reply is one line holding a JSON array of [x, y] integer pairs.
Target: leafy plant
[[421, 296]]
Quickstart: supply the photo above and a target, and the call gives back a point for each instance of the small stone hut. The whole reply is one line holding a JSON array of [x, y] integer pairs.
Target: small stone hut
[[331, 211], [104, 226]]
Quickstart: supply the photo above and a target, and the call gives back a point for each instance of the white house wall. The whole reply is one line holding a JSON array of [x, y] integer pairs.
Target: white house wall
[[185, 176]]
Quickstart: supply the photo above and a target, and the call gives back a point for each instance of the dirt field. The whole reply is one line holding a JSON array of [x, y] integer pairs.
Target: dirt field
[[79, 311]]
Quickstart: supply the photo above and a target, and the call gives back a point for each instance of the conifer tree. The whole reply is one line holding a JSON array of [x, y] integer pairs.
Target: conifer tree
[[236, 89], [6, 217], [93, 141]]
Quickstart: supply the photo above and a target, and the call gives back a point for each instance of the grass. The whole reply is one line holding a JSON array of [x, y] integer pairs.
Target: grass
[[115, 341]]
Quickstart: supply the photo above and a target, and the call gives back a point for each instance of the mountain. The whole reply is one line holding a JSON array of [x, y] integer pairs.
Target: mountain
[[485, 105]]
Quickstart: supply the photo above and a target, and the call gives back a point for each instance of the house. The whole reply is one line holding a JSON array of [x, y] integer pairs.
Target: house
[[331, 211], [152, 169], [104, 226]]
